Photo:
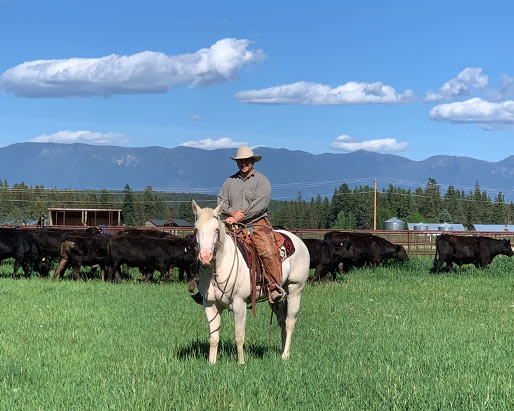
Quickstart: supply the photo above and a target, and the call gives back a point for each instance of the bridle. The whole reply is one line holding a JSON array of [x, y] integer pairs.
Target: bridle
[[223, 285]]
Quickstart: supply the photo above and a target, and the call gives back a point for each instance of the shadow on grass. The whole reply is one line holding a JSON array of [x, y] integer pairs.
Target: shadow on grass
[[200, 350]]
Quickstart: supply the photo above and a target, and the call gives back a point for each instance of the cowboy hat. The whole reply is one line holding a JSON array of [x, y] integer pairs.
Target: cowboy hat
[[246, 152]]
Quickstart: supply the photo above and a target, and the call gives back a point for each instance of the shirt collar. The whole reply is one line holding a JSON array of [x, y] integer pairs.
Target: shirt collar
[[247, 177]]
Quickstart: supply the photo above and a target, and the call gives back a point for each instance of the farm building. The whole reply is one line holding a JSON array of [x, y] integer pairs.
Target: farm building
[[436, 226], [176, 222], [85, 216], [494, 227]]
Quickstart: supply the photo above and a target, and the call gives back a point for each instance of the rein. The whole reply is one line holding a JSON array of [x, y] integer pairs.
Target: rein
[[235, 263]]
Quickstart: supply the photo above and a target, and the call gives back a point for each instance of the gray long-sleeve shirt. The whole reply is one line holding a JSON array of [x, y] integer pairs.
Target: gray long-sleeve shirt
[[251, 194]]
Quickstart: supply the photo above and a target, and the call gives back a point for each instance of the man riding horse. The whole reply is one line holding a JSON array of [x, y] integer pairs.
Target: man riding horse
[[245, 197]]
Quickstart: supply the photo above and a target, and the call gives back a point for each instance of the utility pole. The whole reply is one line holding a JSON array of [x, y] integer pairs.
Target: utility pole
[[375, 208]]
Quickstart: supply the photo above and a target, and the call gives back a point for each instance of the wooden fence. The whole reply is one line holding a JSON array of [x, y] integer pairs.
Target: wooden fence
[[414, 242]]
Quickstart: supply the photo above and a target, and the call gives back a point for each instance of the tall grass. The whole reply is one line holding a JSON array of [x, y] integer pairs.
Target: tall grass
[[394, 337]]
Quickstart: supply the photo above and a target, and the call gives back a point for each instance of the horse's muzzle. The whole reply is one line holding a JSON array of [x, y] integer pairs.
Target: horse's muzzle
[[205, 257]]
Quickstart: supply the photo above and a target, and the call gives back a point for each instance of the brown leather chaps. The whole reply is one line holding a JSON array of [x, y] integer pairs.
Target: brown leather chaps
[[264, 242]]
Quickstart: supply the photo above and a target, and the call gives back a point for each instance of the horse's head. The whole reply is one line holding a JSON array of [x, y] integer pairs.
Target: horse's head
[[208, 230]]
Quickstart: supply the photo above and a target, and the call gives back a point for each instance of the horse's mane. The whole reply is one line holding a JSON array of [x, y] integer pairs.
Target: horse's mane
[[204, 214]]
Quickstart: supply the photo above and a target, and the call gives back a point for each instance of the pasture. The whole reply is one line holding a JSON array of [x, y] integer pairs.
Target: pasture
[[394, 337]]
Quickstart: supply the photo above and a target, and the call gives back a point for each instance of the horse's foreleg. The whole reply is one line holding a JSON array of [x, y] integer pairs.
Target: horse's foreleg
[[214, 319], [239, 309]]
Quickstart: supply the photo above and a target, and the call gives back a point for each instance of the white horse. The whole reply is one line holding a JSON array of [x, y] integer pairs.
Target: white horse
[[224, 281]]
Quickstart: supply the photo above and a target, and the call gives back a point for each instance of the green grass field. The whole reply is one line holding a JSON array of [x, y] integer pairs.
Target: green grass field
[[395, 337]]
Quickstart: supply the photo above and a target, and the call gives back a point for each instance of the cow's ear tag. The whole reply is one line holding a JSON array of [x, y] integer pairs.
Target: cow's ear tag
[[43, 259], [185, 249]]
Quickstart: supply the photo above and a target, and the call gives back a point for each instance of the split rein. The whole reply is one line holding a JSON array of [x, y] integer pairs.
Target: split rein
[[223, 285]]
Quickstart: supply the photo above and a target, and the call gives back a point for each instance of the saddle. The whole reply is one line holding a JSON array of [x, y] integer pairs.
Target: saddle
[[284, 247]]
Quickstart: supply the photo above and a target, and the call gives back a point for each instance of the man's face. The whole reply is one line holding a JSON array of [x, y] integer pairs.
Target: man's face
[[245, 165]]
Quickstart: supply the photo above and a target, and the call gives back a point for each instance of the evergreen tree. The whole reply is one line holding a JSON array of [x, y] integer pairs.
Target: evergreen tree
[[185, 211], [445, 217], [340, 201], [344, 221], [417, 201], [450, 201], [432, 200], [415, 218], [105, 200], [362, 207], [128, 206], [498, 213], [325, 214]]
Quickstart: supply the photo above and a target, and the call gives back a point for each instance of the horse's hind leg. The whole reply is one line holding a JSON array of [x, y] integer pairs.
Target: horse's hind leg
[[291, 311], [239, 308], [280, 311]]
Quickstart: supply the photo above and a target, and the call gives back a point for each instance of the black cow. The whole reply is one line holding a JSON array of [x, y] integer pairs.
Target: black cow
[[49, 241], [83, 248], [21, 245], [150, 253], [185, 266], [326, 257], [135, 232], [460, 250], [366, 249]]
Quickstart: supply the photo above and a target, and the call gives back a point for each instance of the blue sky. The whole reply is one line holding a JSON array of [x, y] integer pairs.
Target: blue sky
[[396, 77]]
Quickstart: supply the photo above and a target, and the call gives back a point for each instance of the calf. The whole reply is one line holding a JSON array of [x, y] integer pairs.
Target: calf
[[460, 250], [83, 248], [326, 257]]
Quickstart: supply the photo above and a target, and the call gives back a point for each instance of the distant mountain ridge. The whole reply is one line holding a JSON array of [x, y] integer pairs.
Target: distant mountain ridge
[[186, 169]]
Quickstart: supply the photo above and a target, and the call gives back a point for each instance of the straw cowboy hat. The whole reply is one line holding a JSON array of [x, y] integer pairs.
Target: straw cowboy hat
[[246, 152]]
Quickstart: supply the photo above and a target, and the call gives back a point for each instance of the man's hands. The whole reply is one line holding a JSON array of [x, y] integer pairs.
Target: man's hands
[[237, 216]]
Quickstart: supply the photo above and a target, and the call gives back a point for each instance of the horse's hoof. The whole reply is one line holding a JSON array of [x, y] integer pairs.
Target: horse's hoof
[[198, 298]]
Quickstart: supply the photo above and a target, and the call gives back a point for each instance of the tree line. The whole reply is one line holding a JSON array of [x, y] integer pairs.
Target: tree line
[[354, 209], [346, 209], [21, 203]]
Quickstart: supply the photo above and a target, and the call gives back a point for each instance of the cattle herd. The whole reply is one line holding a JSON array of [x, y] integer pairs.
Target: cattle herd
[[149, 250], [153, 250]]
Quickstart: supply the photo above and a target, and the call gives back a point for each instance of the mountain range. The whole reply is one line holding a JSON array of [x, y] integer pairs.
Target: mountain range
[[186, 169]]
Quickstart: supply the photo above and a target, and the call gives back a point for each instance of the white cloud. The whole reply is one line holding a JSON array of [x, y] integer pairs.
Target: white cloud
[[486, 114], [145, 72], [460, 86], [197, 118], [321, 94], [384, 145], [88, 137], [507, 86], [210, 144]]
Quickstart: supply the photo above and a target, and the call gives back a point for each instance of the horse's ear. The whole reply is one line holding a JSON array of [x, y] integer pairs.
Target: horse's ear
[[195, 207], [218, 209]]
